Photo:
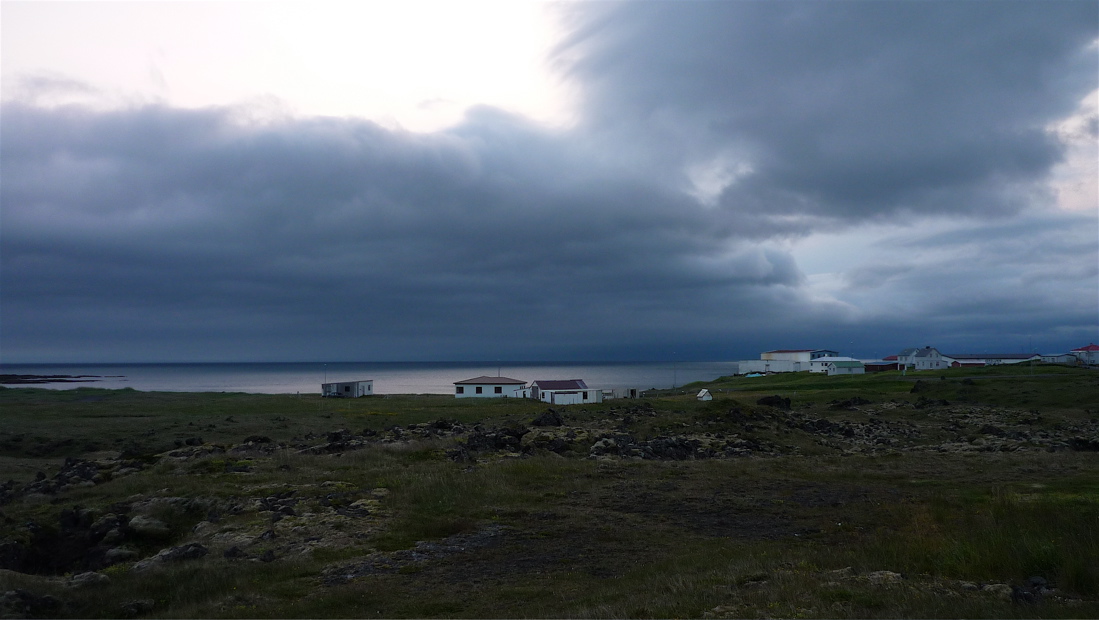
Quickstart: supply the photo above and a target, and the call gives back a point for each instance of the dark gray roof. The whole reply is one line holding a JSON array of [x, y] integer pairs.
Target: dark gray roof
[[561, 384]]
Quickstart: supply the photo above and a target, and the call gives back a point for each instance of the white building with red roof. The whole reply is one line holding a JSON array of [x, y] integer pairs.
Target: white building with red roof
[[1087, 355], [489, 387]]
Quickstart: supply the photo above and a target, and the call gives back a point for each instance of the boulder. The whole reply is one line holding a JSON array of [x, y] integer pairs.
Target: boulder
[[23, 604], [119, 554], [775, 401], [549, 417], [148, 527], [135, 608], [190, 551], [883, 577], [84, 580]]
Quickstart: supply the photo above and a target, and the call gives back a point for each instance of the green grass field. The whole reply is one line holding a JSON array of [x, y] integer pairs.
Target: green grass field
[[928, 499]]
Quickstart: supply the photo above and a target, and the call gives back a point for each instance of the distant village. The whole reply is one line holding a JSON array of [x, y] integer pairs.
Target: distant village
[[824, 361]]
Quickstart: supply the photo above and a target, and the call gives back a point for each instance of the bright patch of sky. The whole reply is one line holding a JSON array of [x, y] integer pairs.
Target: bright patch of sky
[[415, 64], [1075, 181]]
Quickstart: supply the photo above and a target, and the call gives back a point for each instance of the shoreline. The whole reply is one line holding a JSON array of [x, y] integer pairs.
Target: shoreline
[[38, 379]]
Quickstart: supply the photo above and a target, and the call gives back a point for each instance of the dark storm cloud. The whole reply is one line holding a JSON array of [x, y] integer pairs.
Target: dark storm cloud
[[842, 109], [711, 133], [327, 234]]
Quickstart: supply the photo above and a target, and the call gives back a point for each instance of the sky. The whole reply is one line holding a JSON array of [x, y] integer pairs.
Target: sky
[[567, 181]]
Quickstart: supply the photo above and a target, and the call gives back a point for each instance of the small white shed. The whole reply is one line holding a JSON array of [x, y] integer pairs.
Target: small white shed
[[705, 395], [348, 389]]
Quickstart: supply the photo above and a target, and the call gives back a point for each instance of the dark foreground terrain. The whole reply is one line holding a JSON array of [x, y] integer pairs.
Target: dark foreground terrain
[[970, 494]]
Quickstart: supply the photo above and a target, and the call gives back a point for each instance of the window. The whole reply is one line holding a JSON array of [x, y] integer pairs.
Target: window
[[585, 395], [499, 390], [460, 390], [479, 389]]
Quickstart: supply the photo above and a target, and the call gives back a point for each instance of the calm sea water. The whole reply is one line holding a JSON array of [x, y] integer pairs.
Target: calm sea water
[[389, 377]]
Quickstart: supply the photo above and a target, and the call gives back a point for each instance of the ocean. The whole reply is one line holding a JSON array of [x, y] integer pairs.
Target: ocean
[[389, 377]]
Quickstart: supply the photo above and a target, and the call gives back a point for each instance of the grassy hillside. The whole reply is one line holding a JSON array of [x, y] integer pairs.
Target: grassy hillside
[[968, 493]]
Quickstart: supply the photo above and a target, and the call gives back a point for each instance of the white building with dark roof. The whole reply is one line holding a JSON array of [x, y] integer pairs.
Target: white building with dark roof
[[927, 358], [489, 387], [843, 367], [564, 392]]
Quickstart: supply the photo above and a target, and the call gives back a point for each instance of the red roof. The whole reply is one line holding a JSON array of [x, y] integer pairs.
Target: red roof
[[490, 381], [1090, 347], [889, 358]]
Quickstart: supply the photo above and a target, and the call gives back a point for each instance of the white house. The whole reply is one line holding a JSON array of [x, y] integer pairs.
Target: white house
[[347, 389], [705, 394], [927, 358], [564, 392], [907, 358], [844, 367], [1087, 355], [820, 364], [1059, 358], [489, 387]]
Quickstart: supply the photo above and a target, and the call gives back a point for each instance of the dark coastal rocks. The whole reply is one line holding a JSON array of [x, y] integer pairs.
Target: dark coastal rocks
[[12, 555], [150, 528], [849, 404], [775, 401], [492, 440], [676, 448], [190, 441], [189, 551], [24, 604], [136, 608], [923, 402], [74, 472], [549, 417], [1083, 444], [88, 580], [423, 552]]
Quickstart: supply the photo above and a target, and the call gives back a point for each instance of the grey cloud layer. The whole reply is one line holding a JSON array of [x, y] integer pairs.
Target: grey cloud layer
[[485, 235], [154, 233], [844, 109]]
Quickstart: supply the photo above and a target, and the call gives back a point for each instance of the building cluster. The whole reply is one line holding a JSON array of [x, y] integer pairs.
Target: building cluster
[[557, 391], [824, 361], [928, 358]]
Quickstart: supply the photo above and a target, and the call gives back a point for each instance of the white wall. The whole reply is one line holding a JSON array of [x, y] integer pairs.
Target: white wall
[[750, 366], [571, 397], [821, 363], [860, 370], [488, 390], [798, 356]]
